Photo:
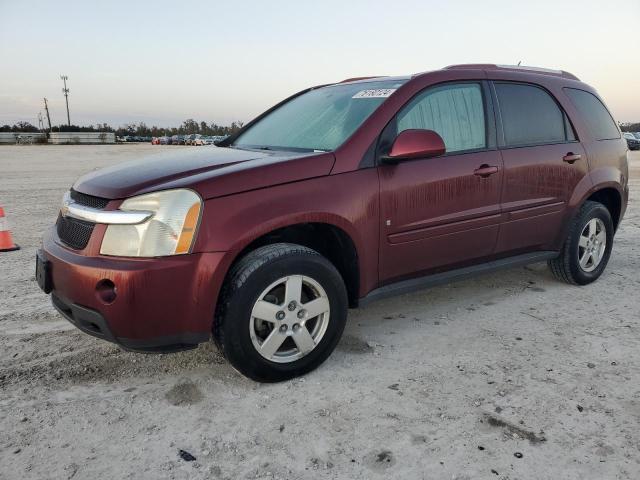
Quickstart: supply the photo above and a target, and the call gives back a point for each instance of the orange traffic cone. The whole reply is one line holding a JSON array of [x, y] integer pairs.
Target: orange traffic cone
[[6, 243]]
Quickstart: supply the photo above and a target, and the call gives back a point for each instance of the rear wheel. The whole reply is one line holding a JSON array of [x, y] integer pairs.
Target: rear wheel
[[281, 313], [587, 249]]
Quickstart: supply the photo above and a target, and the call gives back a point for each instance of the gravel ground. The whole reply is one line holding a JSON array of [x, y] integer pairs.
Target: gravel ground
[[513, 375]]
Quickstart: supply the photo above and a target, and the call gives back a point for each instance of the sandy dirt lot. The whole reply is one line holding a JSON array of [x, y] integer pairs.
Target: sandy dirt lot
[[510, 376]]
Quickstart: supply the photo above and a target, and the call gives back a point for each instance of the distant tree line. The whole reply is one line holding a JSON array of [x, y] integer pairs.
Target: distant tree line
[[137, 129], [630, 127], [188, 127], [25, 127]]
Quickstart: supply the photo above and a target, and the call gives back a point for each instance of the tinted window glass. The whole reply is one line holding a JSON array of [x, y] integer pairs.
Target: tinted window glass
[[529, 115], [594, 113], [456, 112], [571, 136]]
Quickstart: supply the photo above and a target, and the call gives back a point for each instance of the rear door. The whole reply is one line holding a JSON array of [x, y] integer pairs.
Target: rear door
[[442, 211], [543, 163]]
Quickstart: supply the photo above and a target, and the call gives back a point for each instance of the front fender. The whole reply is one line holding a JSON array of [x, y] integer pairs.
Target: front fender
[[347, 201]]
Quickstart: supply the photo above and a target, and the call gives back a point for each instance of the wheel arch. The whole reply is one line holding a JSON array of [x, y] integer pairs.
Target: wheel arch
[[328, 239], [611, 198], [604, 188]]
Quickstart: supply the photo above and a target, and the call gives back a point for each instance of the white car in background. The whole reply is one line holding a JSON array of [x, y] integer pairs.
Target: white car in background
[[198, 140]]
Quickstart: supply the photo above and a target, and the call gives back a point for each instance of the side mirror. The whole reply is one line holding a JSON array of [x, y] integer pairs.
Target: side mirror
[[411, 144]]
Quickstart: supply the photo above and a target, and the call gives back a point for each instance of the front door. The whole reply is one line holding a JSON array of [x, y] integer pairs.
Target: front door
[[445, 211]]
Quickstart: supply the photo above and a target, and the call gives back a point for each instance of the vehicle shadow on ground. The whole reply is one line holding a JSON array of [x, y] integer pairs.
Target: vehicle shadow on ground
[[71, 357], [432, 303]]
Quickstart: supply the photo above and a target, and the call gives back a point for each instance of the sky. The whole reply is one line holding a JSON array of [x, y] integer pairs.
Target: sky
[[163, 62]]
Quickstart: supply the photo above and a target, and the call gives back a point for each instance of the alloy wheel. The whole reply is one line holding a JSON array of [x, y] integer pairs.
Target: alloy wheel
[[592, 244], [289, 318]]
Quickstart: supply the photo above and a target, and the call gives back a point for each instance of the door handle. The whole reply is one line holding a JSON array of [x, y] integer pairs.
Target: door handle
[[571, 158], [485, 170]]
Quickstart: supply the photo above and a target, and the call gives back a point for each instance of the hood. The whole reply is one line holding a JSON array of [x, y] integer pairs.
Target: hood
[[211, 171]]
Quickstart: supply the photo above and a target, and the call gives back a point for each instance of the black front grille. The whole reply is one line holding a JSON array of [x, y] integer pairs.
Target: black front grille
[[88, 200], [76, 233], [73, 232]]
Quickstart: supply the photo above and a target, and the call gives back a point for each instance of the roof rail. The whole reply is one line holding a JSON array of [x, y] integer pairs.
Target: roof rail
[[491, 66]]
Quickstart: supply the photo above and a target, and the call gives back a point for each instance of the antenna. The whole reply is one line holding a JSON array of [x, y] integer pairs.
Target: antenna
[[65, 90]]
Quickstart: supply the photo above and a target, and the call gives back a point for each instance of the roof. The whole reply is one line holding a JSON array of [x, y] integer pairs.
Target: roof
[[472, 66], [513, 68]]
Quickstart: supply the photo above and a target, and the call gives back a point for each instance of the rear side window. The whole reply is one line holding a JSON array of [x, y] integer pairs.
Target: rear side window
[[594, 113], [454, 111], [530, 116]]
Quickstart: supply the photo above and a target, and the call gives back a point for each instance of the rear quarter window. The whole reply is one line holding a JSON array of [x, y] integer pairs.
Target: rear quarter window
[[594, 113]]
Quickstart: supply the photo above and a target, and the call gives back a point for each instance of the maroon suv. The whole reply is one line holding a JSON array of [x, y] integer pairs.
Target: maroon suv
[[339, 195]]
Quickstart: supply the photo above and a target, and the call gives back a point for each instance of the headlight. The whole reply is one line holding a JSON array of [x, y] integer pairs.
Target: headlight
[[170, 231]]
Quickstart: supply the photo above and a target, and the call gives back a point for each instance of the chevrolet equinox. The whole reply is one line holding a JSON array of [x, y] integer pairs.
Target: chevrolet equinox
[[339, 195]]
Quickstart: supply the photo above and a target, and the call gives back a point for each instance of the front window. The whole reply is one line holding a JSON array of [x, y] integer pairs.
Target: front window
[[321, 119], [454, 111]]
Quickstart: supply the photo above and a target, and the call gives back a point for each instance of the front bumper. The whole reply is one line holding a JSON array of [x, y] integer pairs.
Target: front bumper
[[160, 304]]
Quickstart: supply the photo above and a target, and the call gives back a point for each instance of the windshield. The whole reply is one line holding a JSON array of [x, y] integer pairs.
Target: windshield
[[321, 119]]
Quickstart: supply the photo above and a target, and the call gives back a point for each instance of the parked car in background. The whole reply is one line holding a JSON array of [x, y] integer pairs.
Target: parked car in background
[[632, 142], [155, 141], [219, 138], [164, 140], [340, 195], [198, 140], [208, 140], [175, 140], [637, 135]]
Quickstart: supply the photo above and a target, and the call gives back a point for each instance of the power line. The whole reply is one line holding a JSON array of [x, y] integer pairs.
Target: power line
[[65, 90]]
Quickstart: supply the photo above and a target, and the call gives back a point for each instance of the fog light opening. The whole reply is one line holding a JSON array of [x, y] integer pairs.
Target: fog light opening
[[106, 291]]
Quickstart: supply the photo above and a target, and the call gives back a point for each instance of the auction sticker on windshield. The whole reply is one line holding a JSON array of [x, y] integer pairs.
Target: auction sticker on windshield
[[376, 93]]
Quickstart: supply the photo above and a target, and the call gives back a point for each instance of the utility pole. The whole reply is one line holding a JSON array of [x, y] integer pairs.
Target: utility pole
[[46, 107], [65, 90]]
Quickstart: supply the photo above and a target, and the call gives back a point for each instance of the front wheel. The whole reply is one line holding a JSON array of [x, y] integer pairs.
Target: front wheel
[[281, 312], [587, 249]]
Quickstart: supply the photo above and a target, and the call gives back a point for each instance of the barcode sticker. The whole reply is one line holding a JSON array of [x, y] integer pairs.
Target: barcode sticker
[[377, 93]]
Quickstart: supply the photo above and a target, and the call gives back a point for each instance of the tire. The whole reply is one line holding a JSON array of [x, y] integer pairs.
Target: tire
[[567, 266], [241, 334]]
